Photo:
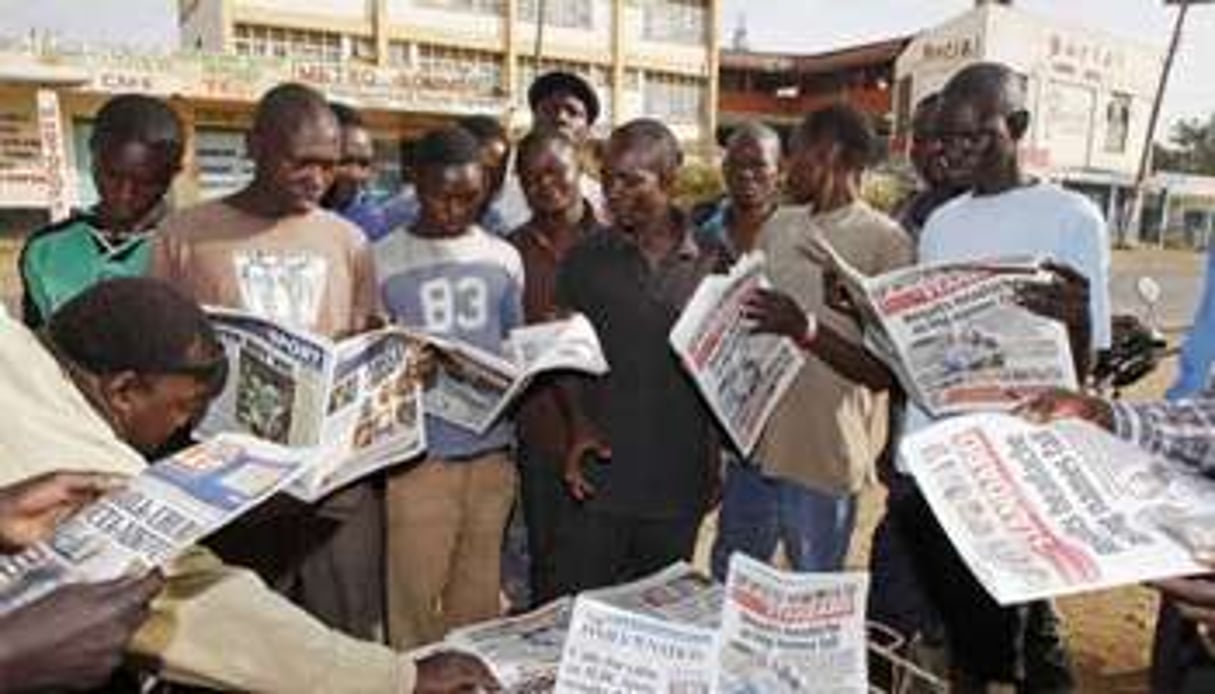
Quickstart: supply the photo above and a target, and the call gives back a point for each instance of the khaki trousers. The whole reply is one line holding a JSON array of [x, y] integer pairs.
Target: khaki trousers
[[444, 539]]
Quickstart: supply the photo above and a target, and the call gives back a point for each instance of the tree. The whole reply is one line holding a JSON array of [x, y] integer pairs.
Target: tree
[[1191, 148]]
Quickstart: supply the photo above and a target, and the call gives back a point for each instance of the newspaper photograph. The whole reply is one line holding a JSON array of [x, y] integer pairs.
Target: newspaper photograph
[[473, 388], [524, 651], [785, 632], [741, 375], [164, 510], [1042, 511], [953, 335], [613, 651], [354, 399], [680, 593]]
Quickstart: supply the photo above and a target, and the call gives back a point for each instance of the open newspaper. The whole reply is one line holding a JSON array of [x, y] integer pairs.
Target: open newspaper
[[680, 593], [742, 375], [614, 651], [473, 388], [1040, 511], [353, 399], [953, 335], [785, 632], [164, 510]]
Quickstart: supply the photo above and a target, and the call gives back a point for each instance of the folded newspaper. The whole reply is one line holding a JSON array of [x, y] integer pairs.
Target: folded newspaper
[[1041, 511], [353, 399], [953, 335], [742, 375], [164, 510], [473, 388]]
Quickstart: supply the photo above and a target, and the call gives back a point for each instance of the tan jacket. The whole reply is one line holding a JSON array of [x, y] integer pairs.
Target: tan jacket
[[827, 431], [213, 625]]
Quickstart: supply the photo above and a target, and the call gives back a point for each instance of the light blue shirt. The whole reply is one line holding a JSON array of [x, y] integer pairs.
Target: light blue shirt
[[1198, 351]]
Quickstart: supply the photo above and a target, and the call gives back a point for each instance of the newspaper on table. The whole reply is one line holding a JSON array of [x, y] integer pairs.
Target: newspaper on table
[[953, 335], [354, 399], [742, 375], [1041, 511], [785, 632], [610, 650], [159, 513], [524, 651], [472, 387], [680, 593]]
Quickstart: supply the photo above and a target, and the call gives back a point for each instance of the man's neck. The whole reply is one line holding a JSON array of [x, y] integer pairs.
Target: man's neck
[[1002, 181], [658, 238], [562, 225], [745, 223], [256, 200]]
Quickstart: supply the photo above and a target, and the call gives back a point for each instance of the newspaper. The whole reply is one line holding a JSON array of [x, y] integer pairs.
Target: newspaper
[[613, 651], [1041, 511], [784, 632], [353, 399], [523, 652], [165, 509], [472, 388], [679, 593], [742, 375], [953, 336]]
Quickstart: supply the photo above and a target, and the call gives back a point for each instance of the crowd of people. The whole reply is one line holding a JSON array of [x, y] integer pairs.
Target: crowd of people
[[608, 478]]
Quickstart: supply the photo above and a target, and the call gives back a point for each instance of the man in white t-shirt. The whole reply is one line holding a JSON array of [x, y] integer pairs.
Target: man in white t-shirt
[[982, 120]]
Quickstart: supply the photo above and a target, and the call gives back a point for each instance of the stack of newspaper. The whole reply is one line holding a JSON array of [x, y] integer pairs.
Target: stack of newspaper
[[953, 335], [1041, 511], [359, 401], [678, 631], [167, 508], [742, 375]]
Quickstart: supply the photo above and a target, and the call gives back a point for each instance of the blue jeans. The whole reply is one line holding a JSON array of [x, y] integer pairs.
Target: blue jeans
[[758, 511]]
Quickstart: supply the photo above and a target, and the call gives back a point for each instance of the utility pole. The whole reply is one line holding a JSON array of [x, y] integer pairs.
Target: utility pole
[[538, 51]]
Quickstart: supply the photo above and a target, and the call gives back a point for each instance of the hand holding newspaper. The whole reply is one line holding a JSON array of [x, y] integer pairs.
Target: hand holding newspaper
[[742, 375], [1041, 511], [953, 335], [164, 510], [785, 632]]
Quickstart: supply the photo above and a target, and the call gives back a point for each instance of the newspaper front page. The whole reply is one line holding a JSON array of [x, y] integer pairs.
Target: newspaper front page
[[473, 388], [523, 652], [164, 510], [353, 399], [742, 375], [680, 593], [953, 335], [784, 632], [1041, 511], [614, 651]]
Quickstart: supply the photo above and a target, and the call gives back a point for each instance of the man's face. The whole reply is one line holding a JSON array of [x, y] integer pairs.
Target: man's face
[[131, 179], [354, 169], [297, 166], [638, 192], [149, 409], [550, 179], [975, 140], [752, 172], [927, 153], [450, 197], [564, 112]]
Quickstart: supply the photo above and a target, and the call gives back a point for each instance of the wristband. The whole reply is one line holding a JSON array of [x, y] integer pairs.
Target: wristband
[[807, 338]]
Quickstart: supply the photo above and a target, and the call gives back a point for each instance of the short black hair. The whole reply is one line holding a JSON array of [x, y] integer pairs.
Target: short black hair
[[994, 85], [136, 324], [536, 140], [486, 129], [655, 136], [925, 109], [450, 146], [562, 82], [844, 126], [138, 118], [756, 131], [347, 116], [288, 105]]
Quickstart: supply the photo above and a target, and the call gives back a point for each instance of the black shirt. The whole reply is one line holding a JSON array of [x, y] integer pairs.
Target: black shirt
[[660, 430]]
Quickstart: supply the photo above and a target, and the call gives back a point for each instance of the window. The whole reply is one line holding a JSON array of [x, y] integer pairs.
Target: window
[[573, 14], [473, 6], [301, 44], [477, 71], [673, 97], [677, 21], [1117, 123]]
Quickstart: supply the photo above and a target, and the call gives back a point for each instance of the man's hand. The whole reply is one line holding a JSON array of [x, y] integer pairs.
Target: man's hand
[[424, 367], [30, 510], [448, 672], [1065, 404], [585, 444], [1065, 299], [776, 313], [74, 637], [1194, 597]]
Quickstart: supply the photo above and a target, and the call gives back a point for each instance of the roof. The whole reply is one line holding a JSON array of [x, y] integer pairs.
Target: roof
[[863, 55]]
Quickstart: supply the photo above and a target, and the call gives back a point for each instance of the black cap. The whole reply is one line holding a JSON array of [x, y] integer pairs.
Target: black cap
[[557, 82]]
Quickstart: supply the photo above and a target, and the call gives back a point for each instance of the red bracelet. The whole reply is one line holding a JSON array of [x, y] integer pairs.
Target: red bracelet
[[806, 339]]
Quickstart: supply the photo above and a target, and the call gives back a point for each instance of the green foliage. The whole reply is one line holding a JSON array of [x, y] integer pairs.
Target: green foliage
[[1192, 148], [698, 182]]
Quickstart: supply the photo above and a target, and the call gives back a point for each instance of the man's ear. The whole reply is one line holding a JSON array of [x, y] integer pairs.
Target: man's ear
[[1018, 124], [119, 391]]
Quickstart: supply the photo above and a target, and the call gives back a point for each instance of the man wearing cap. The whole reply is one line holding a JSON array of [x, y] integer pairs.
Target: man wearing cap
[[560, 101]]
